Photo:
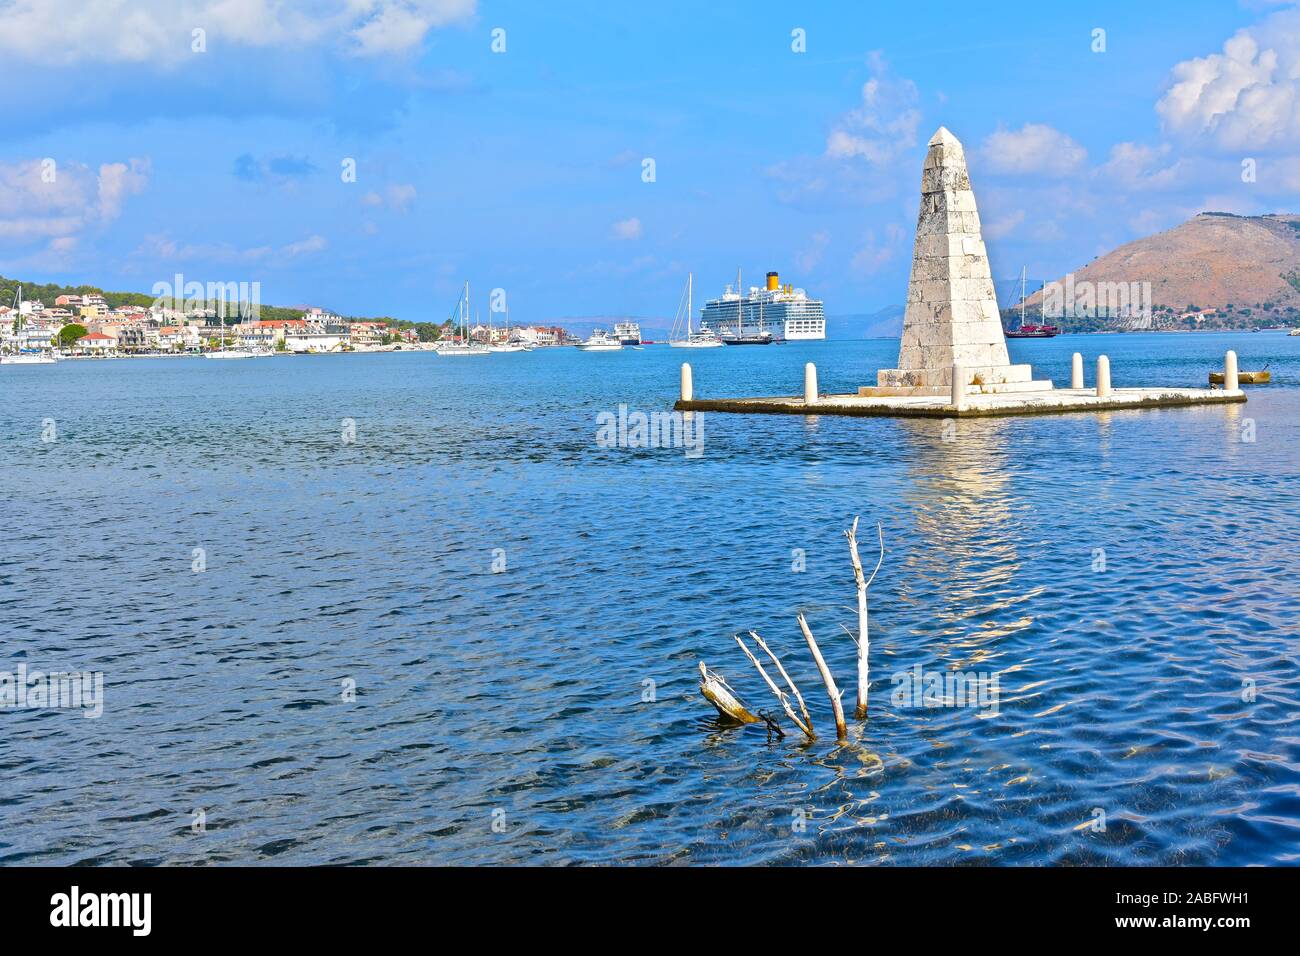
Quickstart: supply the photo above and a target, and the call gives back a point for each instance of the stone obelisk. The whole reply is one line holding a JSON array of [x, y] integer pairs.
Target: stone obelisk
[[952, 312]]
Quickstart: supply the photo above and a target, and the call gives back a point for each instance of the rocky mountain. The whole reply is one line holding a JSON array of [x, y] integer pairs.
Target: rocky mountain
[[1213, 261]]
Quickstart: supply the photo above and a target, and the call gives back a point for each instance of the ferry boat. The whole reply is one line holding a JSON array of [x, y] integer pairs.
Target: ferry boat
[[629, 333], [600, 341], [759, 316], [1030, 331]]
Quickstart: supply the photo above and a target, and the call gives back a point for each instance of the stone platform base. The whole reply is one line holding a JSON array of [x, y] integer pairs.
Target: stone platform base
[[941, 378], [1001, 388], [981, 405]]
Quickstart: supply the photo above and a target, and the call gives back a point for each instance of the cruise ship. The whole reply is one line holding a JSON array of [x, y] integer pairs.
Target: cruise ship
[[764, 315]]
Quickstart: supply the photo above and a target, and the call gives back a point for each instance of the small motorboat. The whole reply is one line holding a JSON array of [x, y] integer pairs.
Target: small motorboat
[[28, 358], [1262, 377], [601, 341]]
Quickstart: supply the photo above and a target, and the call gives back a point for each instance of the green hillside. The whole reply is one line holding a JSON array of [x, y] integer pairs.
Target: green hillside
[[49, 291]]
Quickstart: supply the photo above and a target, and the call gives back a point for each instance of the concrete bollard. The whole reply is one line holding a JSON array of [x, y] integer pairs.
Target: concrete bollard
[[958, 387], [1103, 376], [1230, 383], [1076, 371], [810, 384], [688, 386]]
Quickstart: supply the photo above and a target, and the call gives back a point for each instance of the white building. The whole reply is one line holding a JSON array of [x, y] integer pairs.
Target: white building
[[256, 336], [97, 343], [313, 340]]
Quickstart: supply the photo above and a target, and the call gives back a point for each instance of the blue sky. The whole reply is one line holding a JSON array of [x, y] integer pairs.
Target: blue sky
[[523, 169]]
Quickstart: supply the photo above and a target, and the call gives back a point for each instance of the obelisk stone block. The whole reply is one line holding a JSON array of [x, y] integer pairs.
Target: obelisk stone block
[[952, 315]]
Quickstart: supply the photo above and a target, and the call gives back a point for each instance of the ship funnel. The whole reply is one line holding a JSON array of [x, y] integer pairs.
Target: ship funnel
[[773, 282]]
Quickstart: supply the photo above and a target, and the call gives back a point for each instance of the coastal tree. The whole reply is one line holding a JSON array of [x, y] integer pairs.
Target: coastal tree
[[69, 334]]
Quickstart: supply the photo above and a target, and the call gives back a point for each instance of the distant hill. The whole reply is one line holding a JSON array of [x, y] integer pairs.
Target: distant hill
[[885, 324], [1246, 269]]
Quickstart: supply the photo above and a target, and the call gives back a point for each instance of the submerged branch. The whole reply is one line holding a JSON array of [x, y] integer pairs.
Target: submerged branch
[[832, 691], [805, 726], [719, 693]]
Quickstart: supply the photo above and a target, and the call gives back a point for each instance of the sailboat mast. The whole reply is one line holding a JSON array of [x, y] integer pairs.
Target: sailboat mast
[[740, 304], [690, 306], [1023, 270]]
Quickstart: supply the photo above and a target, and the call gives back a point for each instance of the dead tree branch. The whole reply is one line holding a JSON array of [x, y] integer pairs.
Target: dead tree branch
[[863, 640], [807, 721], [841, 731], [719, 693], [804, 725]]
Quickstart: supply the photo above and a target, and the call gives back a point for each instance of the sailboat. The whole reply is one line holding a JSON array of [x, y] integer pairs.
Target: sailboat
[[1029, 331], [740, 336], [223, 352], [464, 347], [18, 356], [508, 345], [703, 339]]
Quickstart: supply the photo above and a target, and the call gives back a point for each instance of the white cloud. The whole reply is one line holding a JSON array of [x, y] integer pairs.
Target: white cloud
[[626, 229], [159, 32], [876, 254], [883, 126], [1035, 148], [398, 197], [305, 246], [162, 248], [1140, 167], [1248, 96], [44, 200], [808, 258], [1004, 226], [395, 26]]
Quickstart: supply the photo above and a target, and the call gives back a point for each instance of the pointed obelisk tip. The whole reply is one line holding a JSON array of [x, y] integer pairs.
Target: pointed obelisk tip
[[943, 137]]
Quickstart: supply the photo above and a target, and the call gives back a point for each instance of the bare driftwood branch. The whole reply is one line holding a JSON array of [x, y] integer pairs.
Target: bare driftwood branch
[[841, 731], [863, 639], [719, 693], [805, 726]]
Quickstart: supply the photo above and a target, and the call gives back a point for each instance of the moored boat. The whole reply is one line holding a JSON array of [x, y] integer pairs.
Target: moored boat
[[465, 347], [1262, 377], [1029, 331], [600, 341], [27, 358], [704, 338]]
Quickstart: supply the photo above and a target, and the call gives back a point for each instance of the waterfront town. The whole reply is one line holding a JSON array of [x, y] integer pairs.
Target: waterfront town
[[87, 326]]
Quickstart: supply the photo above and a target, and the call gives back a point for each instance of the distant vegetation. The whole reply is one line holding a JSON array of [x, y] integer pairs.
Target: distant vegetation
[[49, 291], [1261, 315]]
